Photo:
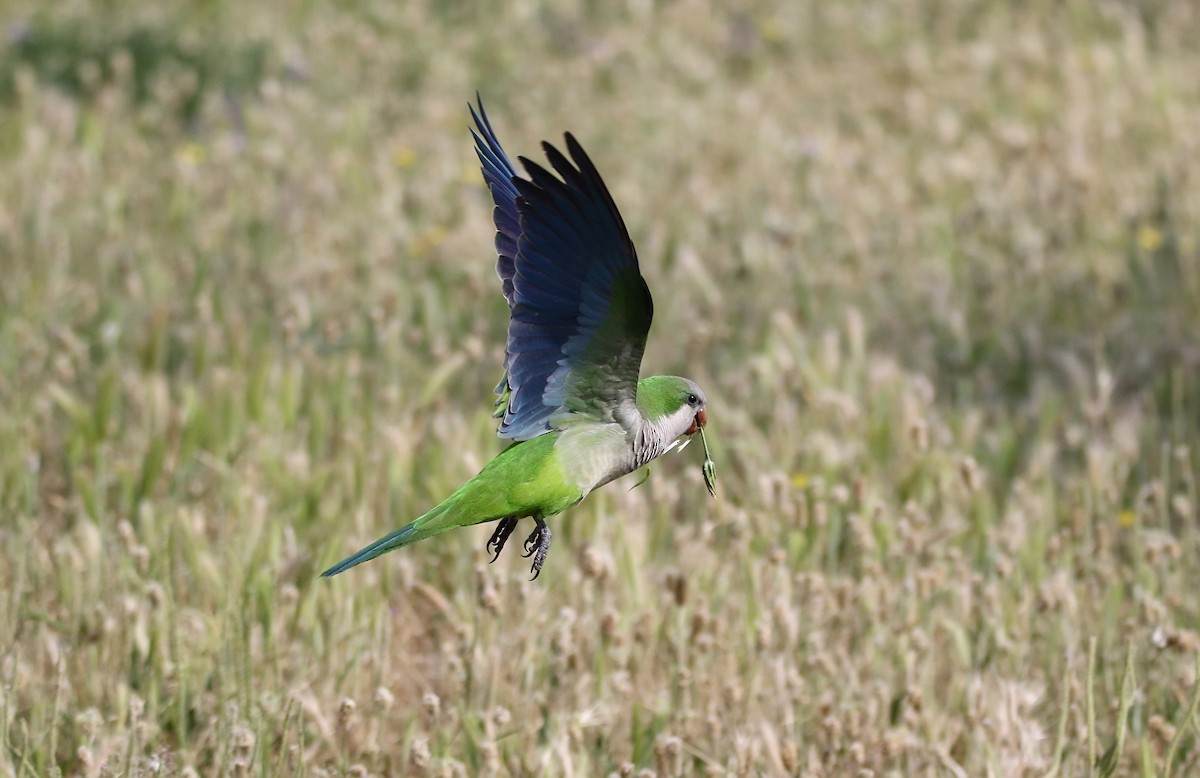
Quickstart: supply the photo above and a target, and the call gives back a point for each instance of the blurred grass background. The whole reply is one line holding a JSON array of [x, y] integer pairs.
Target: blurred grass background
[[935, 261]]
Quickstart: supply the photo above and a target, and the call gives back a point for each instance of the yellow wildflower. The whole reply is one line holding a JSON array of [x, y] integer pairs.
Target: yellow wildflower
[[404, 157], [191, 154], [1149, 237]]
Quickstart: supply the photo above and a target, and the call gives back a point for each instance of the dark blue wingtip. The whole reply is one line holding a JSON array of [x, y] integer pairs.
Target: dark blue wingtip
[[482, 112]]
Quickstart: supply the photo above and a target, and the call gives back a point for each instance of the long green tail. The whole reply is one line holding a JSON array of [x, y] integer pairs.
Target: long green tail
[[417, 529], [523, 480]]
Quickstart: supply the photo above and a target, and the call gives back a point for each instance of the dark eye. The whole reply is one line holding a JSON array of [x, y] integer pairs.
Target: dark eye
[[693, 399]]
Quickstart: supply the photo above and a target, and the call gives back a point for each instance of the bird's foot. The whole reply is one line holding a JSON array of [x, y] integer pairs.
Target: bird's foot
[[537, 545], [496, 543]]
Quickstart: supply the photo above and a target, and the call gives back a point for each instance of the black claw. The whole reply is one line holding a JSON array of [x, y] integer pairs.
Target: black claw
[[537, 545], [496, 543]]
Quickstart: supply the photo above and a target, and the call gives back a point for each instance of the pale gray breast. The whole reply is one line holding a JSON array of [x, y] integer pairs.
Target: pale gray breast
[[594, 454], [649, 444]]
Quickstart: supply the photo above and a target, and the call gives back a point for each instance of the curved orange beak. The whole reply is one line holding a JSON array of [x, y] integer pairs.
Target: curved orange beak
[[700, 421]]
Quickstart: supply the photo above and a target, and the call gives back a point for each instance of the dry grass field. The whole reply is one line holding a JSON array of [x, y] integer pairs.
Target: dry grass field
[[936, 262]]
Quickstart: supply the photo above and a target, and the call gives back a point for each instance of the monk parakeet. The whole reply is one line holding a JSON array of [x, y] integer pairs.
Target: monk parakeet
[[570, 398]]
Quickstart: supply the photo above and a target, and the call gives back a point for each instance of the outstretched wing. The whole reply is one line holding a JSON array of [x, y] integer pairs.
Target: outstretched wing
[[579, 307], [499, 173]]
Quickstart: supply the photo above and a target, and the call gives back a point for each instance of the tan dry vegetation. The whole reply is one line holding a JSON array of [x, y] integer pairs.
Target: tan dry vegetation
[[935, 262]]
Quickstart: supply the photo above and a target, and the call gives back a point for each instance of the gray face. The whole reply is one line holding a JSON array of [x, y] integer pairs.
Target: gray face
[[695, 407], [695, 398]]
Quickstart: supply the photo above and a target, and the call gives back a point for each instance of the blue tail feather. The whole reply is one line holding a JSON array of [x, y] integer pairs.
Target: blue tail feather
[[385, 544]]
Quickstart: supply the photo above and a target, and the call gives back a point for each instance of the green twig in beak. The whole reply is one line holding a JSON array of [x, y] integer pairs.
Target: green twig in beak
[[710, 467]]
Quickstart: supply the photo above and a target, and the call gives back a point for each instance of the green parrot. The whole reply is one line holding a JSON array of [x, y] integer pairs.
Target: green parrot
[[570, 398]]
